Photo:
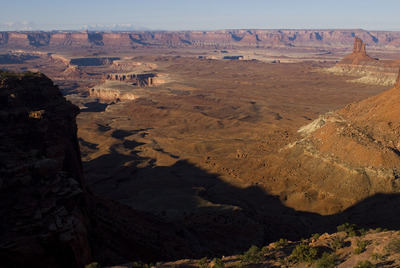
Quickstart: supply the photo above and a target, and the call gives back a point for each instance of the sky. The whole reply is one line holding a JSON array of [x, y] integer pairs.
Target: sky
[[174, 15]]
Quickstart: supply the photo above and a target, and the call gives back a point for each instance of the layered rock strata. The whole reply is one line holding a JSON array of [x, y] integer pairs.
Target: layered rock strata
[[115, 91], [348, 155], [142, 80], [221, 38]]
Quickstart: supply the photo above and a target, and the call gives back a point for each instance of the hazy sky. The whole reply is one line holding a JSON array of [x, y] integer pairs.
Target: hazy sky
[[200, 14]]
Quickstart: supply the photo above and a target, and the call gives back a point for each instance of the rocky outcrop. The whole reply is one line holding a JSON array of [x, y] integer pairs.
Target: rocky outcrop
[[221, 38], [367, 70], [115, 91], [348, 155], [143, 80], [44, 207], [74, 71], [359, 53]]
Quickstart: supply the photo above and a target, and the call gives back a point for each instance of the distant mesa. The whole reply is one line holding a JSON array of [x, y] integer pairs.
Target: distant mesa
[[220, 39], [143, 80]]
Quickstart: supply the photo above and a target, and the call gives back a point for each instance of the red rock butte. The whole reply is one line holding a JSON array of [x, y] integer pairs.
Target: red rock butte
[[359, 53]]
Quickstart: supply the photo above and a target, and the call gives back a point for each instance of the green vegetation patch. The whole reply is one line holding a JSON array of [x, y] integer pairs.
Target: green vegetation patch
[[351, 230], [326, 261], [364, 264], [304, 253]]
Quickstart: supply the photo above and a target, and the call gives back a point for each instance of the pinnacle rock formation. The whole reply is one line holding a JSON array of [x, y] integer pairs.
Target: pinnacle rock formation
[[359, 53], [359, 46]]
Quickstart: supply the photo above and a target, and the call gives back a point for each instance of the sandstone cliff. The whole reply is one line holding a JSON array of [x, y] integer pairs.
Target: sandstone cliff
[[44, 207], [367, 69], [221, 38]]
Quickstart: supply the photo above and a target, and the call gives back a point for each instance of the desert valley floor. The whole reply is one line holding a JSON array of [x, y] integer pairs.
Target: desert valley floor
[[207, 143]]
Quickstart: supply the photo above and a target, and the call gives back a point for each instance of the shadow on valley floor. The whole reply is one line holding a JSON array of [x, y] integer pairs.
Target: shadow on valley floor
[[94, 106], [214, 217]]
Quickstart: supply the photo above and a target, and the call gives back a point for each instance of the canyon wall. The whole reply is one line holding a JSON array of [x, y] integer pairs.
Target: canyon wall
[[221, 38]]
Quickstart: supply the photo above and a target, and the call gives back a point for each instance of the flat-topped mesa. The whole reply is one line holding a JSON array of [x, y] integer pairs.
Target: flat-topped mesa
[[142, 80], [197, 39], [359, 53]]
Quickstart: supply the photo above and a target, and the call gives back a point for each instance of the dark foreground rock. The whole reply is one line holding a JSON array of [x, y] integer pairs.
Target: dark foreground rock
[[48, 219], [43, 205]]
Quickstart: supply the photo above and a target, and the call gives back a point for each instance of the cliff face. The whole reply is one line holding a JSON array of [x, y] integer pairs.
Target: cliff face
[[43, 208], [136, 79], [222, 38]]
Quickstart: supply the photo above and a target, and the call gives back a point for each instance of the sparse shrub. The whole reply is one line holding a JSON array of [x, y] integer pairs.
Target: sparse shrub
[[336, 244], [281, 243], [93, 264], [350, 229], [377, 256], [283, 263], [139, 264], [362, 232], [393, 246], [379, 230], [316, 236], [364, 264], [361, 246], [326, 261], [7, 74], [304, 253], [253, 255], [265, 250], [218, 263], [203, 262]]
